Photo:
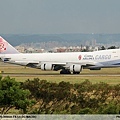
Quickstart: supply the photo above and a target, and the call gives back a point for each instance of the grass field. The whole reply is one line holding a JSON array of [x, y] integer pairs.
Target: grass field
[[20, 73]]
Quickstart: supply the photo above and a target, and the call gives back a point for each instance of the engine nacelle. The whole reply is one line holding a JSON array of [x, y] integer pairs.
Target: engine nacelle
[[75, 68], [47, 66]]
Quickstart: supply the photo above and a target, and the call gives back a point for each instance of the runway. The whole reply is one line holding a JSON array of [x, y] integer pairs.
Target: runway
[[38, 75]]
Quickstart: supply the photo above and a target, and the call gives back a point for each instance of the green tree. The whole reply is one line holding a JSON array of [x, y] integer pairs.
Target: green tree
[[102, 48], [85, 111], [112, 47], [84, 91], [111, 108], [63, 97], [51, 97], [12, 96], [116, 93], [33, 86]]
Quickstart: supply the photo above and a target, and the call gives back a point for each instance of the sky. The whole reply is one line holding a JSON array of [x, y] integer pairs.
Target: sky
[[59, 16]]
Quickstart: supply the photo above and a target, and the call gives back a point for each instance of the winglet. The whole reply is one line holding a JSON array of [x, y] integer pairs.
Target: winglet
[[6, 48]]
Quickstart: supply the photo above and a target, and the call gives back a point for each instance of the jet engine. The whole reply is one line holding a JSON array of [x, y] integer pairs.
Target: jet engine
[[76, 69], [47, 66]]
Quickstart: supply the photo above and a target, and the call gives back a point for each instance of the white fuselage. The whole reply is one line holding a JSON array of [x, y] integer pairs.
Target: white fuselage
[[66, 62], [105, 58]]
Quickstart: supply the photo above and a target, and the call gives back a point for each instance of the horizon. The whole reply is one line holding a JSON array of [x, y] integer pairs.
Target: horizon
[[56, 33]]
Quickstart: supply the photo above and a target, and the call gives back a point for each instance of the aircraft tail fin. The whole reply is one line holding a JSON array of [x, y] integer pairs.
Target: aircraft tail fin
[[6, 48]]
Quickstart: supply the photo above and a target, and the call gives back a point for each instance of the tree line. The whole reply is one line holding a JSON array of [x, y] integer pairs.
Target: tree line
[[42, 97]]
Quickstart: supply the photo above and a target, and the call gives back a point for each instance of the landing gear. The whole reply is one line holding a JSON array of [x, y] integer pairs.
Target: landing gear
[[76, 72], [65, 71]]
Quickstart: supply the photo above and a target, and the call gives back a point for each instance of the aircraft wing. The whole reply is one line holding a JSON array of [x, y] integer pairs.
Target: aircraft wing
[[70, 63], [48, 65], [61, 65], [82, 63], [25, 63], [57, 65]]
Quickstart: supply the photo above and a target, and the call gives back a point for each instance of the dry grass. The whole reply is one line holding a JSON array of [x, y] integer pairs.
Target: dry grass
[[21, 73]]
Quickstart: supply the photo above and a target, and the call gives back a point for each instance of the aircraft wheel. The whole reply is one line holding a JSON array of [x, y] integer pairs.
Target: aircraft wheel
[[64, 71], [76, 72]]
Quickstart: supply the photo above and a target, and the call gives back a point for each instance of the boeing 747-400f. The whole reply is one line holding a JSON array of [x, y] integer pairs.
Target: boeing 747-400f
[[72, 62]]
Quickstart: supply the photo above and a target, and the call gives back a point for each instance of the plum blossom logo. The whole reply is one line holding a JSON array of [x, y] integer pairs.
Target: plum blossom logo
[[3, 45], [80, 57]]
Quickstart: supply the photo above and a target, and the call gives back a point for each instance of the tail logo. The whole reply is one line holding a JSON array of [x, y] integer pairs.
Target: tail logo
[[3, 45]]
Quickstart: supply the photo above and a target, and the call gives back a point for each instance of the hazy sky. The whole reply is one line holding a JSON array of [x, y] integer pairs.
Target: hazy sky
[[59, 16]]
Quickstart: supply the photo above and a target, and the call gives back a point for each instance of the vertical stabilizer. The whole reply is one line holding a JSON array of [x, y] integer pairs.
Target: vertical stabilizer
[[6, 48]]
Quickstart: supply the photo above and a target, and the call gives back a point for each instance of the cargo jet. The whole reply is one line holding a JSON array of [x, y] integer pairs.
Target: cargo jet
[[67, 63]]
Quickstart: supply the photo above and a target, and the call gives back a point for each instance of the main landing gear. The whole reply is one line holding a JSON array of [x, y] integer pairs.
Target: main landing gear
[[76, 72], [65, 71]]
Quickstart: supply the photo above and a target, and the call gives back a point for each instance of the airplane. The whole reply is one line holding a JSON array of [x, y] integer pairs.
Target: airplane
[[67, 63]]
